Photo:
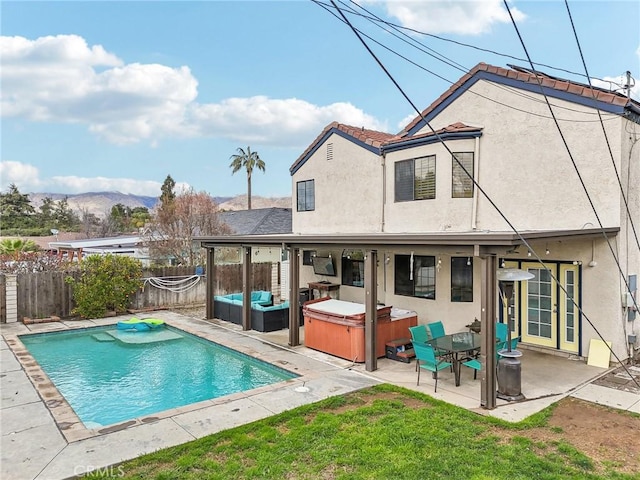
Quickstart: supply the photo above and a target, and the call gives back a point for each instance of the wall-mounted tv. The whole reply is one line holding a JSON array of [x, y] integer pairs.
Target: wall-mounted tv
[[323, 266]]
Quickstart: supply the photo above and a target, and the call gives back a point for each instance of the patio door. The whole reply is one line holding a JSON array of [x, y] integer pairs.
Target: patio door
[[546, 313]]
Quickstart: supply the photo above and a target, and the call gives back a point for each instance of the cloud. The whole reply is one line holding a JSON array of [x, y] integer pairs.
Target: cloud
[[451, 16], [61, 79], [274, 121], [27, 179]]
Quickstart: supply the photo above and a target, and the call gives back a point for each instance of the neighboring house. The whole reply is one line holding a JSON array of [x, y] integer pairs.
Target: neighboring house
[[263, 221], [405, 199], [130, 246]]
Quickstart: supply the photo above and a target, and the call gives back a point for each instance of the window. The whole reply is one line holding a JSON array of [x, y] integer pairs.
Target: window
[[353, 269], [462, 279], [461, 183], [306, 195], [415, 278], [416, 179]]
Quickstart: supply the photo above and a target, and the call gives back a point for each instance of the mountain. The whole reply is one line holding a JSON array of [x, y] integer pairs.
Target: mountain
[[100, 203]]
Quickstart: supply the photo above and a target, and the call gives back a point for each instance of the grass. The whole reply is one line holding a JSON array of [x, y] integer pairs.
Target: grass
[[377, 433]]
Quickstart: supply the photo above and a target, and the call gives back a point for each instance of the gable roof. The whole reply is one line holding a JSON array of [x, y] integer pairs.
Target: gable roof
[[530, 80], [259, 221], [370, 140], [514, 76], [455, 131]]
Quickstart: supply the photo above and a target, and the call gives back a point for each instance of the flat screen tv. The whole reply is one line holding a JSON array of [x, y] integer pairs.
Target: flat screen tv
[[323, 266]]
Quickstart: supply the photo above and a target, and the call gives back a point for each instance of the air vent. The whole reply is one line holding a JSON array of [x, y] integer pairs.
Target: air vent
[[329, 151]]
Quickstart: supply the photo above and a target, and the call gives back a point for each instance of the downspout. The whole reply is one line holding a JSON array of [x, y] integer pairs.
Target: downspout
[[384, 191], [476, 168]]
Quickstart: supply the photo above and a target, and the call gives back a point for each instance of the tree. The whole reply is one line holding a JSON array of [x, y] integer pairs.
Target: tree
[[249, 160], [64, 217], [167, 195], [16, 210], [176, 223], [105, 283]]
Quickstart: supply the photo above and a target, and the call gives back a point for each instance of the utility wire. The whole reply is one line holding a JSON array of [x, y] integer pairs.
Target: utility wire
[[613, 116], [604, 131], [376, 20], [584, 187], [477, 185]]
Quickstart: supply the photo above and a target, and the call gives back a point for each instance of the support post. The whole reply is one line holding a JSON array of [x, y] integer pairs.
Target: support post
[[11, 295], [246, 289], [294, 297], [488, 332], [210, 282], [371, 310]]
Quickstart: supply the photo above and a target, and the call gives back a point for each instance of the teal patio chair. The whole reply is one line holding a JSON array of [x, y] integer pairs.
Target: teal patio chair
[[475, 364], [426, 358], [502, 331], [419, 334], [436, 329], [514, 343]]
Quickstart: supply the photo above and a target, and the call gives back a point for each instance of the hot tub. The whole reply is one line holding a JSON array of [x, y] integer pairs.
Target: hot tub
[[336, 327]]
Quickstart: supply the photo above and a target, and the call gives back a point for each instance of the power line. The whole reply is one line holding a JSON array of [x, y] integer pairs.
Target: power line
[[564, 141], [604, 131], [509, 89], [477, 185]]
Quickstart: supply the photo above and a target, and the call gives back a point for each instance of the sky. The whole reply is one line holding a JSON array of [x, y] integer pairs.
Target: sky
[[116, 95]]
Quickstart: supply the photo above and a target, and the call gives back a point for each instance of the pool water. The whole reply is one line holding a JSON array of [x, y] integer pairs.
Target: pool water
[[109, 376]]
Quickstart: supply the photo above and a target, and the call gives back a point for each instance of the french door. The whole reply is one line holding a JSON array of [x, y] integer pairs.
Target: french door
[[546, 307]]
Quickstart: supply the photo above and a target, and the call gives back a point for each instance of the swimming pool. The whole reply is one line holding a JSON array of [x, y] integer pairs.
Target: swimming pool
[[109, 376]]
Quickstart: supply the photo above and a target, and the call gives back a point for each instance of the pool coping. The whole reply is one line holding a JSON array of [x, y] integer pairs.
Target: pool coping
[[74, 430]]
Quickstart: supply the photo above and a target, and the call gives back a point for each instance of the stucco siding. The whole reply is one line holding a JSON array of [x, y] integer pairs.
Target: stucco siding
[[524, 166], [348, 190]]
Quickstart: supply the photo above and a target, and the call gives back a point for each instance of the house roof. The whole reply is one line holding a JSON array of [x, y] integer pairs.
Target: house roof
[[117, 242], [259, 221], [371, 140], [375, 240], [514, 76], [530, 80]]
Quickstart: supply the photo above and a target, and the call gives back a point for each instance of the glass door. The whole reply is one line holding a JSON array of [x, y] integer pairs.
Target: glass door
[[539, 305]]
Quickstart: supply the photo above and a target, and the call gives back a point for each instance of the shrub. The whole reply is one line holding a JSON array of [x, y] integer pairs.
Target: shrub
[[106, 283]]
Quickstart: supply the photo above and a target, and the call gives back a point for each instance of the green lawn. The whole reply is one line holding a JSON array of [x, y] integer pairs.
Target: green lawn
[[384, 432]]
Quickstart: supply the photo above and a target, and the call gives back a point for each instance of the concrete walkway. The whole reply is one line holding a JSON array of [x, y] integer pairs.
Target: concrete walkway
[[43, 439]]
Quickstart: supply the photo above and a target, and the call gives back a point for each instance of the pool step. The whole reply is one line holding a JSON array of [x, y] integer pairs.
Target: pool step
[[103, 337]]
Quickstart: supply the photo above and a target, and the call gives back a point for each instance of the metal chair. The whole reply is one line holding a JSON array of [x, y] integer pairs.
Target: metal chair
[[475, 364], [419, 334], [502, 331], [436, 329], [426, 358]]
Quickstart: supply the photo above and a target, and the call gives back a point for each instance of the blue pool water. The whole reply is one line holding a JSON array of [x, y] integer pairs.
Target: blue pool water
[[110, 375]]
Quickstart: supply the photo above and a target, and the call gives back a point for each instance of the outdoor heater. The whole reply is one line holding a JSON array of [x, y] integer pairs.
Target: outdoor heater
[[509, 367]]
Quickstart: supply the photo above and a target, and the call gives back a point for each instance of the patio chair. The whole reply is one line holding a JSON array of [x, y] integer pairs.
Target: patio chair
[[475, 364], [419, 334], [514, 343], [502, 331], [426, 358], [436, 329]]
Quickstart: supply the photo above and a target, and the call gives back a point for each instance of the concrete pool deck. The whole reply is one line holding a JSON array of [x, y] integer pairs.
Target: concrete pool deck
[[42, 440], [35, 446]]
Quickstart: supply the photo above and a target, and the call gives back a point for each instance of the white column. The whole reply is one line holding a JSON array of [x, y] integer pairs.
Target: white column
[[11, 289]]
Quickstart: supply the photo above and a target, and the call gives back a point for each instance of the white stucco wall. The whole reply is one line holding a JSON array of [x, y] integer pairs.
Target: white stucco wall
[[348, 190], [524, 166]]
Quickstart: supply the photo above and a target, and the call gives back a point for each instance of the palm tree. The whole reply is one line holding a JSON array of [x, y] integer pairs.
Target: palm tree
[[12, 246], [248, 160]]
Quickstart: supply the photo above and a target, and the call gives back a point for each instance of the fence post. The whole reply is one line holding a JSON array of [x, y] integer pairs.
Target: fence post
[[11, 289]]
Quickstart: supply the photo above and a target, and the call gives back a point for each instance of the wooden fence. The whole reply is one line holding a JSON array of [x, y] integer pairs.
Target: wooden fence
[[46, 294]]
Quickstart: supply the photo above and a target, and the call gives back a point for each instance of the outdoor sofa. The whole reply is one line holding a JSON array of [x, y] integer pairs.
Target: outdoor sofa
[[265, 316]]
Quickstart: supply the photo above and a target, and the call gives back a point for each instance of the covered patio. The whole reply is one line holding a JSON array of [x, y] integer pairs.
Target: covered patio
[[485, 248]]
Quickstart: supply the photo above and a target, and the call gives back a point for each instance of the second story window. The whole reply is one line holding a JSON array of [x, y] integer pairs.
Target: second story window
[[415, 179], [461, 183], [306, 195]]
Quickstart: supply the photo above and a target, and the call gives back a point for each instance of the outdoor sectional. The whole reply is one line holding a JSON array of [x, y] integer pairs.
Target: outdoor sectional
[[265, 317]]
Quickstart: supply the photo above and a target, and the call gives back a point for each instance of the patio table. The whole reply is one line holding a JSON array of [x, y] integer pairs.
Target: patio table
[[456, 344]]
